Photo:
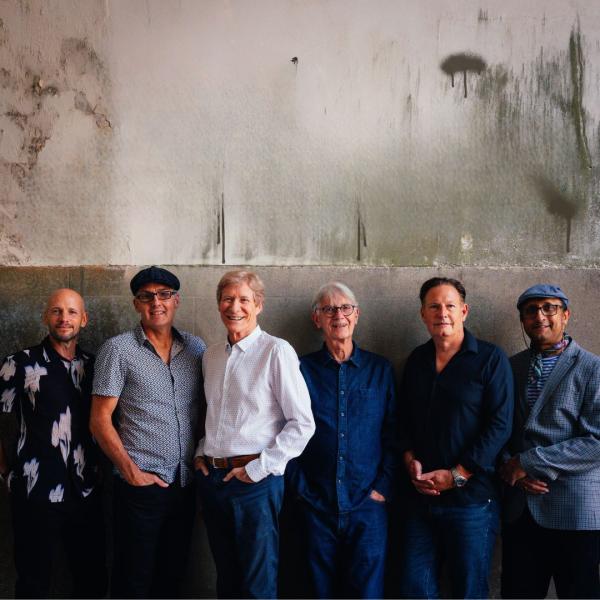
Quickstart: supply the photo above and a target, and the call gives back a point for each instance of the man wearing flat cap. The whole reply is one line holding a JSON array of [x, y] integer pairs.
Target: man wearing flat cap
[[552, 465], [147, 390]]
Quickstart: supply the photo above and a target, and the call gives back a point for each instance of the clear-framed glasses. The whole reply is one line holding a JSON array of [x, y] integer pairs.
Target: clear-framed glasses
[[331, 311], [147, 297], [548, 310]]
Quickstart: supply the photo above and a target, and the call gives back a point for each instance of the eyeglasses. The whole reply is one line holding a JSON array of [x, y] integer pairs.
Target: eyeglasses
[[548, 310], [345, 309], [147, 297]]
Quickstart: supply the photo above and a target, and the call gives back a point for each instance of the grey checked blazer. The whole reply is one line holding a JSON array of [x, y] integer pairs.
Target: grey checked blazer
[[559, 442]]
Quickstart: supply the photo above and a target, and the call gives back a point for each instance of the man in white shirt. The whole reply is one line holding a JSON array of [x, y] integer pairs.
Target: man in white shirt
[[258, 418]]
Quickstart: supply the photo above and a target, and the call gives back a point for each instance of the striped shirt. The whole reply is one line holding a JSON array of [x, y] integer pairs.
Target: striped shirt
[[535, 386]]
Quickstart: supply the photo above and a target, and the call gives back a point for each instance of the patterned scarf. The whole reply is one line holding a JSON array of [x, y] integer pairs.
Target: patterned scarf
[[535, 363]]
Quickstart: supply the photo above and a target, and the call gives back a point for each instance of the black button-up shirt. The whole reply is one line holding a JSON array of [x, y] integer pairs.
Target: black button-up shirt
[[461, 415], [56, 456], [354, 448]]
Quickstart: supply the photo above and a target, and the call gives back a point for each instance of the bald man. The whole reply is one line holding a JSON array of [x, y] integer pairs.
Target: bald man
[[52, 480]]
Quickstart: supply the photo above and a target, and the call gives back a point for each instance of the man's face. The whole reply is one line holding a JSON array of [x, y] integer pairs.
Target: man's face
[[544, 330], [239, 311], [337, 327], [65, 315], [156, 314], [444, 312]]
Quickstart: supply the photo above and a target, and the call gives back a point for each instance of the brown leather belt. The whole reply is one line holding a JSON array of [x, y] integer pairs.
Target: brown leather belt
[[230, 463]]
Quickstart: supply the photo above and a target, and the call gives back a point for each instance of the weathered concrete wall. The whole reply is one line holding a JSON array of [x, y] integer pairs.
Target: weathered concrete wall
[[314, 132]]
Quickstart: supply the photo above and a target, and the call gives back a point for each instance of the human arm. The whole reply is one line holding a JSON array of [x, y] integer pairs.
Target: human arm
[[291, 394], [106, 435]]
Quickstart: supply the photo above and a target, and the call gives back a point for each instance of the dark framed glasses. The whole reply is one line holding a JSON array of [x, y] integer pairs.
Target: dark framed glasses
[[548, 310], [331, 311], [147, 297]]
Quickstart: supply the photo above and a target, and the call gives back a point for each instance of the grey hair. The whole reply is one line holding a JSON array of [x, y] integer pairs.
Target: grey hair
[[331, 288]]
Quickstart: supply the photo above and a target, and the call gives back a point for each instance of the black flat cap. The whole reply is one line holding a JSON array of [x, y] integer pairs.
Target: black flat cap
[[153, 274]]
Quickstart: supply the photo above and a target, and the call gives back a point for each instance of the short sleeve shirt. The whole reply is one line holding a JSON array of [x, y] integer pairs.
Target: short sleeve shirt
[[158, 403], [50, 395]]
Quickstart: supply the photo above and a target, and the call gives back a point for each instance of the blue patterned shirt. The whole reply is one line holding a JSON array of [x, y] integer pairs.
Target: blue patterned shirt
[[158, 407]]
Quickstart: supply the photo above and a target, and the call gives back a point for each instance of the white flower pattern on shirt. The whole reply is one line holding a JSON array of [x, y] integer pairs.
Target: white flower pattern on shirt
[[56, 495], [32, 380], [30, 471], [79, 458], [8, 369], [61, 434], [7, 399]]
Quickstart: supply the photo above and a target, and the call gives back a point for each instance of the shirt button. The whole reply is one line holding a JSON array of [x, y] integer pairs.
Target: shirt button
[[342, 392], [341, 458], [339, 481], [342, 414], [342, 434]]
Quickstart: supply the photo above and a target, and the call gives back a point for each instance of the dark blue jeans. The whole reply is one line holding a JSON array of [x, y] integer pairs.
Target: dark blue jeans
[[462, 535], [152, 531], [243, 532], [346, 551]]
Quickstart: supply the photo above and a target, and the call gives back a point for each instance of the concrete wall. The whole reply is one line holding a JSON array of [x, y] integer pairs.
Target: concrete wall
[[282, 132]]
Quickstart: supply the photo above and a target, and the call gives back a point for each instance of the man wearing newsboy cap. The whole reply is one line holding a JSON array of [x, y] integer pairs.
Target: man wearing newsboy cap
[[147, 390], [552, 468]]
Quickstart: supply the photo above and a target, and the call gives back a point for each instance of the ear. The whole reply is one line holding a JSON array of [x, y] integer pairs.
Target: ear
[[422, 313], [566, 315], [316, 319], [84, 319], [176, 300], [136, 305], [259, 308], [357, 313], [465, 312]]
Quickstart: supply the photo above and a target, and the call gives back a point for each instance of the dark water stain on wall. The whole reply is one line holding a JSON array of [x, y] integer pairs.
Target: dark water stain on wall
[[463, 62], [557, 203], [577, 111]]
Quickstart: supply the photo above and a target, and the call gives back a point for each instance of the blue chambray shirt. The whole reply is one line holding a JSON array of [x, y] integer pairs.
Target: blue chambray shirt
[[158, 407], [353, 450]]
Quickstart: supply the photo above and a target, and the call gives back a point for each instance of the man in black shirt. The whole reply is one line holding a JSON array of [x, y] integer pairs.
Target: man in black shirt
[[457, 406], [53, 482]]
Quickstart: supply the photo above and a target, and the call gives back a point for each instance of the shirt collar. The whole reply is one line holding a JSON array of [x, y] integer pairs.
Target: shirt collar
[[246, 342], [469, 344], [142, 338], [53, 355], [355, 358]]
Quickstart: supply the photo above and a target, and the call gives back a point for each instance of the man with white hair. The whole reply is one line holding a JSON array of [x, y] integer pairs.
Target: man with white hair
[[345, 475]]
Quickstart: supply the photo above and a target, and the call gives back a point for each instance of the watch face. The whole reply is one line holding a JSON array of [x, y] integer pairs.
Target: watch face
[[459, 480]]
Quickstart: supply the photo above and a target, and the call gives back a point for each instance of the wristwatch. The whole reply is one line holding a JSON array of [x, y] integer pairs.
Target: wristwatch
[[459, 480]]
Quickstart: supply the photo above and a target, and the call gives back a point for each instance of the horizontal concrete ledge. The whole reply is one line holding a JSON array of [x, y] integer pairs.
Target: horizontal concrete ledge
[[388, 297]]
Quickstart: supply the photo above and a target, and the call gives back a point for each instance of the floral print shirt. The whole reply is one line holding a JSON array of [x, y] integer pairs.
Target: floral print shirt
[[56, 455]]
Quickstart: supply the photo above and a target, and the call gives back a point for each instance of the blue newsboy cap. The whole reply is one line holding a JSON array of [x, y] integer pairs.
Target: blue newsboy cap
[[542, 290], [153, 274]]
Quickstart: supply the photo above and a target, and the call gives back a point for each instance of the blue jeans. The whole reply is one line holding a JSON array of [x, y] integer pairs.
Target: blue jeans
[[243, 532], [346, 551], [463, 535]]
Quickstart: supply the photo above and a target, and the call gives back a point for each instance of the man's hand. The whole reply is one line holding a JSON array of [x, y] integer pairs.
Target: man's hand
[[375, 495], [143, 478], [533, 486], [200, 465], [238, 473], [439, 481], [512, 471]]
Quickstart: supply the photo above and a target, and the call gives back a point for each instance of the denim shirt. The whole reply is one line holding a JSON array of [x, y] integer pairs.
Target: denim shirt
[[461, 415], [353, 450]]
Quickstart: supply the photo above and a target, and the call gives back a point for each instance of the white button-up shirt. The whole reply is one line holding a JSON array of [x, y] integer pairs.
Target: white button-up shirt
[[257, 403]]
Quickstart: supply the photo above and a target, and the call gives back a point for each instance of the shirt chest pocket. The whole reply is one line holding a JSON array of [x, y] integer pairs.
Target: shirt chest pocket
[[366, 405]]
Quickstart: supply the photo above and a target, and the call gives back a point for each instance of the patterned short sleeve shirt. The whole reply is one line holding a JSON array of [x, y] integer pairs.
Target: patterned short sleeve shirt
[[158, 407], [56, 455]]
